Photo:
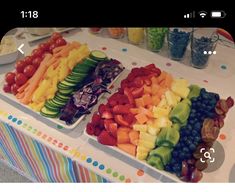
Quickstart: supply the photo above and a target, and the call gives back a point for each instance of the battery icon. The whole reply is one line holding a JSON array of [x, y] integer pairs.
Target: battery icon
[[218, 14]]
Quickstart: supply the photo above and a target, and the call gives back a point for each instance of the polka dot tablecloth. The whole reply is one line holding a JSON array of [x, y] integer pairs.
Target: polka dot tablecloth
[[90, 159]]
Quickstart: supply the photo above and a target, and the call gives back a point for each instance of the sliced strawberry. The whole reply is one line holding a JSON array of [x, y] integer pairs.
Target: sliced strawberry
[[129, 95], [95, 119], [107, 115], [121, 121], [139, 82], [129, 118], [102, 108], [101, 124], [122, 99], [121, 109], [90, 129], [107, 122], [106, 139], [124, 83], [138, 92], [147, 81], [97, 131], [113, 127]]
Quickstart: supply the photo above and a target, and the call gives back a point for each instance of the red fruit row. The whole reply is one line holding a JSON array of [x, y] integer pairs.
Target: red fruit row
[[140, 76], [116, 113], [25, 68]]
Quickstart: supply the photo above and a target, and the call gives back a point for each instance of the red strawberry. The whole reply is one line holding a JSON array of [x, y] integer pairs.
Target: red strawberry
[[129, 118], [97, 131], [107, 122], [138, 92], [129, 96], [123, 100], [101, 124], [113, 127], [121, 121], [95, 119], [102, 108], [120, 109], [139, 82], [106, 139], [107, 115], [90, 129]]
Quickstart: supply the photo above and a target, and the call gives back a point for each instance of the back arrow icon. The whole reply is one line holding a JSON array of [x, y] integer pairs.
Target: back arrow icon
[[20, 48]]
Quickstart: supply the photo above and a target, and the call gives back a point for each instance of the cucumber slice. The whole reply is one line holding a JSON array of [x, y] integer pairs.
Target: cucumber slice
[[48, 113], [81, 68], [58, 103], [73, 80], [98, 55], [66, 91], [51, 107], [77, 74], [68, 85], [61, 86], [65, 97], [89, 63]]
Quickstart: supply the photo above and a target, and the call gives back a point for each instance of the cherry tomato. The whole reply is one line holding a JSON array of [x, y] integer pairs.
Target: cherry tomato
[[60, 42], [36, 62], [10, 78], [7, 88], [20, 65], [20, 79], [53, 46], [28, 60], [50, 42], [37, 53], [14, 89], [56, 36], [29, 71], [44, 46]]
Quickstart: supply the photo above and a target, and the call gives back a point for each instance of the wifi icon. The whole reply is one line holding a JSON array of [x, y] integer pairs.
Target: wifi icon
[[202, 14]]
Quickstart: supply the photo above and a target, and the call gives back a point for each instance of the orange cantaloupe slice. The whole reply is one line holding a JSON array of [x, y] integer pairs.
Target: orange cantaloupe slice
[[141, 118], [123, 137], [128, 148], [134, 137]]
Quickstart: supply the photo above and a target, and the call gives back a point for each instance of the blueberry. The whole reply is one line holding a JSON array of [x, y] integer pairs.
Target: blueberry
[[197, 139], [174, 154], [192, 147]]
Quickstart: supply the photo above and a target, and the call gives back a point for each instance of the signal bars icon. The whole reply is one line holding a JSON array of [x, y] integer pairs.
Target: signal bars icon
[[189, 15]]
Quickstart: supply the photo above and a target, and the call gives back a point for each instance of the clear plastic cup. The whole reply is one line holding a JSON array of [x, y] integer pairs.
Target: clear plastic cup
[[116, 33], [135, 35], [155, 38], [178, 40], [202, 47], [95, 30]]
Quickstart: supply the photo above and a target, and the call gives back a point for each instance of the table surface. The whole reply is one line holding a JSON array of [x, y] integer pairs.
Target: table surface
[[219, 77]]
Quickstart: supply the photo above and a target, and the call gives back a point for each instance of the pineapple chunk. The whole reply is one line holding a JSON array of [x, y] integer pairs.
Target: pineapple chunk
[[163, 122], [153, 130], [146, 144], [161, 111], [181, 91], [171, 98], [141, 128], [141, 156], [163, 102], [147, 137], [142, 149]]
